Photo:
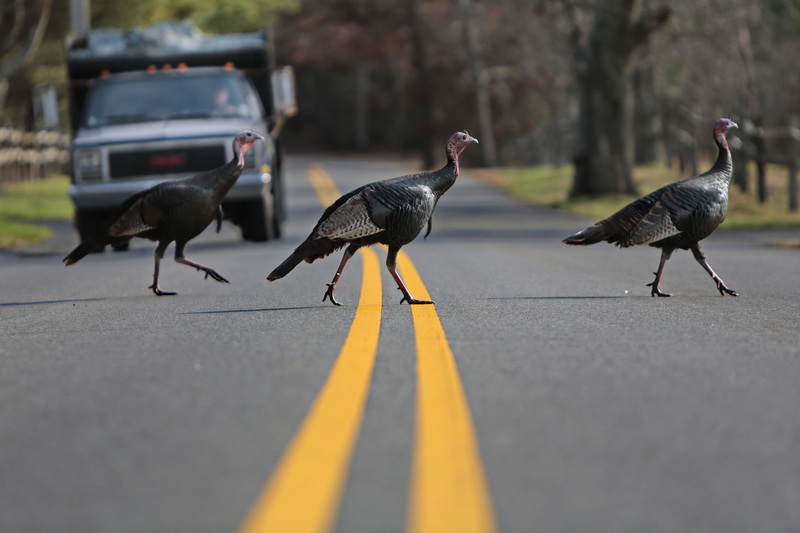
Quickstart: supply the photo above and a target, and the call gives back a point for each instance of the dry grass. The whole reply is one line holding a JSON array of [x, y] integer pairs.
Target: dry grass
[[549, 186]]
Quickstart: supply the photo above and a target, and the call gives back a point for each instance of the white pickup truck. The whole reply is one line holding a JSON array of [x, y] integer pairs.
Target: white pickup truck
[[166, 102]]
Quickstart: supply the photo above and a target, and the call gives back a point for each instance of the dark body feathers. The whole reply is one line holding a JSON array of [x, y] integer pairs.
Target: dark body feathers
[[175, 210], [676, 216], [391, 212]]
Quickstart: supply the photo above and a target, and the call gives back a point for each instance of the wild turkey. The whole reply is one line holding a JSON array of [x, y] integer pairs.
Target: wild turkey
[[391, 212], [678, 215], [176, 210]]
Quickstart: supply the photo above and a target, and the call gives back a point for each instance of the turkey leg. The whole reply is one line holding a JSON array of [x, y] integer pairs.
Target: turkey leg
[[182, 259], [348, 253], [700, 255], [665, 254], [391, 264], [159, 255]]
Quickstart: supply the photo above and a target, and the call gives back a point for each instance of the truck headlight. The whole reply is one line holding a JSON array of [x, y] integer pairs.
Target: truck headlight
[[90, 165]]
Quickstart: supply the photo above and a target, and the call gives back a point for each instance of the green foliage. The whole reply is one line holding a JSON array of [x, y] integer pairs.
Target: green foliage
[[17, 234], [22, 204], [224, 16]]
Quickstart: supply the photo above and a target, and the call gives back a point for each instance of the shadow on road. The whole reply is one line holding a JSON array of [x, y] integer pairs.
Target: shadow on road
[[43, 302], [565, 297], [266, 309]]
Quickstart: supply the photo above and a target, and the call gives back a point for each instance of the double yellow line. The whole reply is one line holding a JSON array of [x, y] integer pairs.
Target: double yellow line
[[448, 490]]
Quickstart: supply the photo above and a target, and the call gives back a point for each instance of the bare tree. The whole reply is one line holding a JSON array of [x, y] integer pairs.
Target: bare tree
[[603, 56], [480, 81], [22, 28], [423, 88]]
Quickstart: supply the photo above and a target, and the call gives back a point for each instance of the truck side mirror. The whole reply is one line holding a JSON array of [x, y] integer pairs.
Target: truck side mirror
[[283, 96]]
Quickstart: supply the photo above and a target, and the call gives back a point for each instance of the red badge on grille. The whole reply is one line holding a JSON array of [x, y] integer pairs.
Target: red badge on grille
[[162, 161]]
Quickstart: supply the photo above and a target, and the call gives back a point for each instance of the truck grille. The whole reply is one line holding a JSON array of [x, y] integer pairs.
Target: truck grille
[[166, 161]]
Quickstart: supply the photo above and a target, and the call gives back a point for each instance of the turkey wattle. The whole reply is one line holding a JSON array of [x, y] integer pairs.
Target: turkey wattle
[[678, 215]]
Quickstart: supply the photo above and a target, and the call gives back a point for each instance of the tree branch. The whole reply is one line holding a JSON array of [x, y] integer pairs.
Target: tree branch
[[17, 23], [33, 40]]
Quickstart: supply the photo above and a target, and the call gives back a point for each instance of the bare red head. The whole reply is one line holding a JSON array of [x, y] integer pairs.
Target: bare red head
[[458, 141], [456, 144], [721, 129], [242, 143]]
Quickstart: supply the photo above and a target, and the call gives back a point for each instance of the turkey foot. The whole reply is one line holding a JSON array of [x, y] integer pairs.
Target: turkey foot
[[159, 292], [214, 274], [155, 286], [414, 301], [723, 288], [655, 291], [209, 271], [329, 294], [411, 300]]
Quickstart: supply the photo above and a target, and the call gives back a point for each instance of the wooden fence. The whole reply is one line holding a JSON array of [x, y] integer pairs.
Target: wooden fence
[[776, 146], [749, 144], [27, 156]]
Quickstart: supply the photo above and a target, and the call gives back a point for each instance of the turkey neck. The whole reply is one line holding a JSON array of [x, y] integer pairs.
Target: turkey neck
[[445, 177], [723, 165], [225, 177]]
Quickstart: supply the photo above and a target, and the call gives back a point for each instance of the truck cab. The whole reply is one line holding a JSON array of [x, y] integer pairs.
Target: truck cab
[[143, 116]]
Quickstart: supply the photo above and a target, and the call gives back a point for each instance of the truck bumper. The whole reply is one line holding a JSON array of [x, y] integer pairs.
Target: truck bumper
[[108, 196]]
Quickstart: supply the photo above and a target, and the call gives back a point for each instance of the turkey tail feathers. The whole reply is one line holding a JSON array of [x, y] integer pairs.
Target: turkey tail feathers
[[308, 251], [287, 266], [591, 235], [81, 251]]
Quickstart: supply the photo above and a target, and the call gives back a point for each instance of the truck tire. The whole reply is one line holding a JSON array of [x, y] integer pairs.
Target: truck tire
[[258, 220], [278, 209], [277, 184]]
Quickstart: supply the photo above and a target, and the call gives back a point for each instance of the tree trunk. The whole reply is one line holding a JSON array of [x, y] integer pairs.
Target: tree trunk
[[362, 106], [480, 82], [14, 54], [604, 152], [646, 124], [423, 87]]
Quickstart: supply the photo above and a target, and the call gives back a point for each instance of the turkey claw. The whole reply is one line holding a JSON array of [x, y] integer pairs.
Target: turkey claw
[[656, 292], [215, 275], [414, 301], [329, 294], [159, 292], [723, 289]]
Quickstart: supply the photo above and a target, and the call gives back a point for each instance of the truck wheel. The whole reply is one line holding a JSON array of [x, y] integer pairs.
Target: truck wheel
[[258, 225], [277, 193], [276, 218]]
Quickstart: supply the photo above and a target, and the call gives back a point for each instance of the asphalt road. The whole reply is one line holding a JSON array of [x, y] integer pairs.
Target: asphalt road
[[596, 407]]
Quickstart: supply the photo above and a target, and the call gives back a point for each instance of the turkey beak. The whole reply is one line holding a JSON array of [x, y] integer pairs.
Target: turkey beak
[[734, 125], [472, 140]]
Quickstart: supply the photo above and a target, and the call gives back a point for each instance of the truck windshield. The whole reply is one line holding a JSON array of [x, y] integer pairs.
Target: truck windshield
[[159, 97]]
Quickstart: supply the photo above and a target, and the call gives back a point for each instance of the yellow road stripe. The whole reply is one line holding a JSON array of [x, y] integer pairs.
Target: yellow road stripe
[[323, 184], [448, 486], [304, 492]]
